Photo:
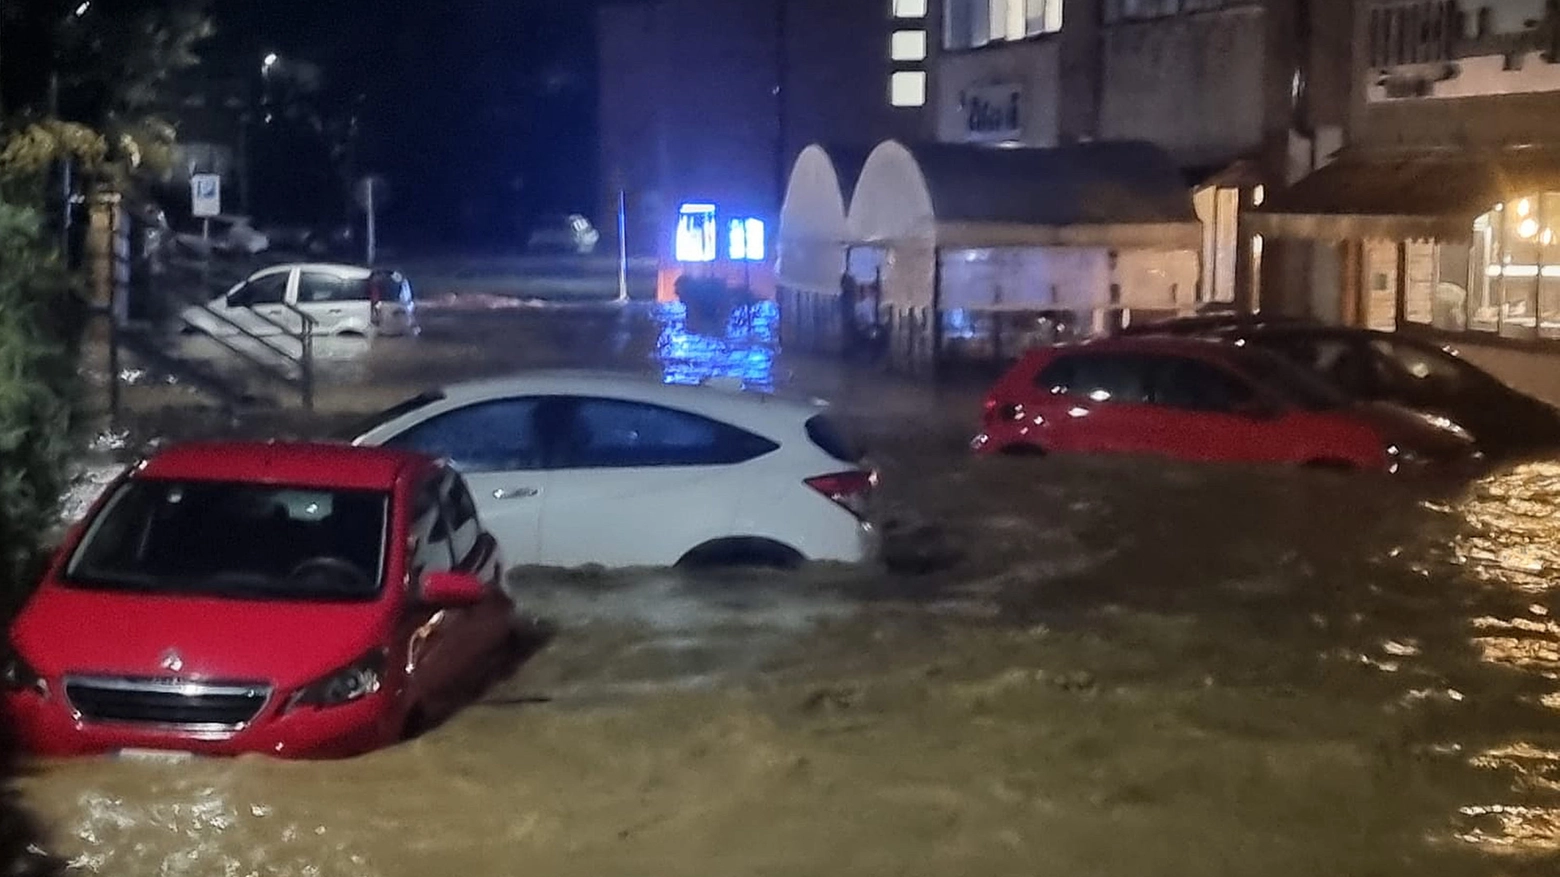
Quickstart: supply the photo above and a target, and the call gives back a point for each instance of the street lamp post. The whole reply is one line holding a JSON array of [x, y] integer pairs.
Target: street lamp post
[[67, 184]]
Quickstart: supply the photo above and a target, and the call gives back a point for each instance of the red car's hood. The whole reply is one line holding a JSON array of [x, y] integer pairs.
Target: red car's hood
[[66, 630]]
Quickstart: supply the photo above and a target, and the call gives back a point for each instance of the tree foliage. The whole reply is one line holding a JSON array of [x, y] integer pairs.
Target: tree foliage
[[114, 65], [37, 377], [39, 319]]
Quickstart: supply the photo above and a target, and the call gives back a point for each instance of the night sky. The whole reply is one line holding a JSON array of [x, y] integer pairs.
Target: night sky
[[480, 113]]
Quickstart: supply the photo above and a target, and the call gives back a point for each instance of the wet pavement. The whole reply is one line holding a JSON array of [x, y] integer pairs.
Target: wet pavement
[[1070, 667]]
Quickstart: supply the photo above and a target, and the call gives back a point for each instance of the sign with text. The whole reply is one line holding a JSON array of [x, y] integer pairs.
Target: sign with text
[[992, 112], [205, 195]]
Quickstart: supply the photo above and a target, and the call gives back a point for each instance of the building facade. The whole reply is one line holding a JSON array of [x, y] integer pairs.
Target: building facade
[[711, 101], [1439, 217], [1245, 96]]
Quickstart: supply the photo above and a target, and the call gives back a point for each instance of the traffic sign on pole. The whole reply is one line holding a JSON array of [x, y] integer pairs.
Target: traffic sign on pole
[[205, 195]]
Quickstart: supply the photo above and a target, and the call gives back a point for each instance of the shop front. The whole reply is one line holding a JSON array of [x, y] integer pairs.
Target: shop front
[[1463, 246], [813, 250], [1460, 243], [960, 252]]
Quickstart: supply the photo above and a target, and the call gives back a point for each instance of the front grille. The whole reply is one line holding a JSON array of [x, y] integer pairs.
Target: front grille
[[211, 706]]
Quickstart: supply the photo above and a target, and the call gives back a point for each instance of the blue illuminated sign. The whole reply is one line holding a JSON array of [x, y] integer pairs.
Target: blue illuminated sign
[[696, 233], [746, 240]]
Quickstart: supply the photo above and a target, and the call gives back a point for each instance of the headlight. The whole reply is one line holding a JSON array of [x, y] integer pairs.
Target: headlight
[[1400, 458], [17, 675], [353, 682]]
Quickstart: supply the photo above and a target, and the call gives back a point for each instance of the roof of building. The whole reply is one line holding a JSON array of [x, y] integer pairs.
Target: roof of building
[[1101, 183], [1424, 193]]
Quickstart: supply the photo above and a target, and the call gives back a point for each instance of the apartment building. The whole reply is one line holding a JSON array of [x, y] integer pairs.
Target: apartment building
[[708, 102]]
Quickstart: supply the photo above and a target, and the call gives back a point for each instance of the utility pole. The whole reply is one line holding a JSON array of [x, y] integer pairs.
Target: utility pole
[[622, 236], [67, 183], [782, 168]]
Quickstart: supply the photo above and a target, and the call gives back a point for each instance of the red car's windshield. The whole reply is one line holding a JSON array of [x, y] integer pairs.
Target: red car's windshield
[[238, 540]]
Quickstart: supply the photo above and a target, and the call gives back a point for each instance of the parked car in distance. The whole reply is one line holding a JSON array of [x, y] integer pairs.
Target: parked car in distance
[[1394, 367], [230, 235], [1201, 400], [574, 468], [298, 600], [341, 299], [558, 233], [316, 241]]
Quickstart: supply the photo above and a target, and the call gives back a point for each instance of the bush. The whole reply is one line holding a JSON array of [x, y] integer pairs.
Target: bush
[[39, 329]]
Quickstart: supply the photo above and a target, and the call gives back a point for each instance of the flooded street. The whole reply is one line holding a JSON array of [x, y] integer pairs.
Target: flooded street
[[1068, 667]]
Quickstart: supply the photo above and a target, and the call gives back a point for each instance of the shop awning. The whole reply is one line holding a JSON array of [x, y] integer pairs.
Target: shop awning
[[1087, 184], [966, 195], [1432, 195]]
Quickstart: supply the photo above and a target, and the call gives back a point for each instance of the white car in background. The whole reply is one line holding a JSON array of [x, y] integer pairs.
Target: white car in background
[[343, 300], [576, 468], [564, 234], [228, 234]]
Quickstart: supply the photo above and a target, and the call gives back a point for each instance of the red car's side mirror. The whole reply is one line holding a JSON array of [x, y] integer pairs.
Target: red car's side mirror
[[450, 590]]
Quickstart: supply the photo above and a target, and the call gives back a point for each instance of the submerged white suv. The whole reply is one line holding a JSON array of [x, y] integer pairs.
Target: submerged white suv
[[575, 468]]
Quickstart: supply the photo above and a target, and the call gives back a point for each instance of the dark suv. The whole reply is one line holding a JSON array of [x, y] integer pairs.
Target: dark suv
[[1390, 367]]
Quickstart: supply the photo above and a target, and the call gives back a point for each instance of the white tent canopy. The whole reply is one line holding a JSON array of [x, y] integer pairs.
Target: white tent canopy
[[813, 234]]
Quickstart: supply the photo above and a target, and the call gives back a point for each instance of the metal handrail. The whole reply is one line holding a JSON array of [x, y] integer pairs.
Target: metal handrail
[[304, 335]]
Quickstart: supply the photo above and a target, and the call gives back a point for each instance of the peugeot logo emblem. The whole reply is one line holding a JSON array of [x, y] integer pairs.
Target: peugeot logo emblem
[[172, 662]]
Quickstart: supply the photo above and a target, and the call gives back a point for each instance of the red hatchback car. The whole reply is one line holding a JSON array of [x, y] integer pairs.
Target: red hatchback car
[[305, 601], [1199, 400]]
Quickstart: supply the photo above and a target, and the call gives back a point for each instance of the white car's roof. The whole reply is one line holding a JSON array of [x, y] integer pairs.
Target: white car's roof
[[750, 409], [340, 269]]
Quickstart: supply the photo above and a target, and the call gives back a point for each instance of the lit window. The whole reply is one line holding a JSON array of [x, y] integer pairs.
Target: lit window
[[909, 45], [909, 8], [755, 240], [971, 23], [907, 88], [746, 240], [696, 233]]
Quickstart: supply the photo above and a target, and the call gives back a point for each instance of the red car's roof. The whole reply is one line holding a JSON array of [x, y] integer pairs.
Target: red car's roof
[[295, 463]]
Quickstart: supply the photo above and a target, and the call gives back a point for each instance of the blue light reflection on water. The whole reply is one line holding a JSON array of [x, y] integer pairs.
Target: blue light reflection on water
[[744, 348]]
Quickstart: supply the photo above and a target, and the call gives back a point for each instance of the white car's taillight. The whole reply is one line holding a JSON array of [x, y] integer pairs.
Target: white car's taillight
[[850, 490]]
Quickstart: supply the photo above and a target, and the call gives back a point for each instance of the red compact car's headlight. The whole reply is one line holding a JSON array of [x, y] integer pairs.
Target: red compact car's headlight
[[353, 682]]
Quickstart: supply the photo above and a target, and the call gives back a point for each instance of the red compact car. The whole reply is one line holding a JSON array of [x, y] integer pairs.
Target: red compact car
[[1193, 399], [305, 601]]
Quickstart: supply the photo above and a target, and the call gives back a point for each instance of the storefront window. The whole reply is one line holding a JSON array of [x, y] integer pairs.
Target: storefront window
[[1484, 276], [1419, 292], [1549, 266], [1381, 285], [1449, 311], [1514, 269], [1519, 256]]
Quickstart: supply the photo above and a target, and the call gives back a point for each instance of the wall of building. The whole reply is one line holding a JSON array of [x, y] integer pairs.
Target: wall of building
[[977, 90], [1470, 87], [688, 112], [700, 103], [1194, 84], [836, 78]]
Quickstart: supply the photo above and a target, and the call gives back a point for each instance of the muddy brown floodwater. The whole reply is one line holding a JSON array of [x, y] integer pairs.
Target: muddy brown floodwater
[[1101, 667]]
